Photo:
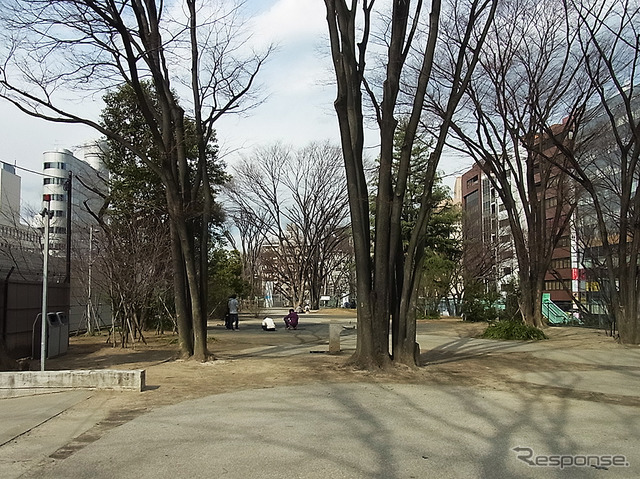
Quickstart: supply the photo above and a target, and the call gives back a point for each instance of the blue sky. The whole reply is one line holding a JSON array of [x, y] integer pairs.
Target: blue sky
[[298, 80]]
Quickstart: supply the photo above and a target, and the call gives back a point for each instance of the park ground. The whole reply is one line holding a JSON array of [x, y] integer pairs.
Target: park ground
[[465, 412], [252, 358]]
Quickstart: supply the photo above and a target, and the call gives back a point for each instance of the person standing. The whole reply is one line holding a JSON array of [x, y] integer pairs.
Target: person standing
[[232, 317]]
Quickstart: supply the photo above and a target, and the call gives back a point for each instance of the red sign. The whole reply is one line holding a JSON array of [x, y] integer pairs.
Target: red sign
[[580, 274]]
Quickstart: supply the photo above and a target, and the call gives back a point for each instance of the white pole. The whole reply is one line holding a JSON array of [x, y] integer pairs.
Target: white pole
[[45, 275], [89, 302]]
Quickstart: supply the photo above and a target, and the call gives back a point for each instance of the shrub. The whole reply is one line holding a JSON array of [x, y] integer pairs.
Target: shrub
[[513, 330], [478, 304], [478, 311]]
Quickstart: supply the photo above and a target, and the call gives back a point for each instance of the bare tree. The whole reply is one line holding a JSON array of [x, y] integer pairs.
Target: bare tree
[[591, 80], [298, 201], [135, 262], [252, 237], [525, 77], [61, 48], [387, 276], [605, 160]]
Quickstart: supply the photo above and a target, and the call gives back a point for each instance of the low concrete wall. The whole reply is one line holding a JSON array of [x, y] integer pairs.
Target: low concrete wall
[[133, 380]]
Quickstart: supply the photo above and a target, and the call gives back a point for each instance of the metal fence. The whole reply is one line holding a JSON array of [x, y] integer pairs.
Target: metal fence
[[20, 304]]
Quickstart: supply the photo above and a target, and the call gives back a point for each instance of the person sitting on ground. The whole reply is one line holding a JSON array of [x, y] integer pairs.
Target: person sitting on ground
[[268, 324], [291, 320]]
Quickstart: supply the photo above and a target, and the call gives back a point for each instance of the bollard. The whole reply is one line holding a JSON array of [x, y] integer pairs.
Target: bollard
[[334, 338]]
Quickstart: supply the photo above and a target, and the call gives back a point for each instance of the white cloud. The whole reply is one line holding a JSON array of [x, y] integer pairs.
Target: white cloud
[[298, 80], [289, 20]]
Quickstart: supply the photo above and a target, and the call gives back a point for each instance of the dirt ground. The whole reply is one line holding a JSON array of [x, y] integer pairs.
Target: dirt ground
[[244, 360]]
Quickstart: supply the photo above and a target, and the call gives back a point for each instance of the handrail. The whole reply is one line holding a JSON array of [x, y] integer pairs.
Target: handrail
[[552, 312]]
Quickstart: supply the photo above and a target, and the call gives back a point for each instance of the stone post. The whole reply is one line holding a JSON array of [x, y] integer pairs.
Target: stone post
[[334, 338]]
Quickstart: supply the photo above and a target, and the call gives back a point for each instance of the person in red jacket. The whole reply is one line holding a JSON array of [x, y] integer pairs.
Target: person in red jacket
[[291, 320]]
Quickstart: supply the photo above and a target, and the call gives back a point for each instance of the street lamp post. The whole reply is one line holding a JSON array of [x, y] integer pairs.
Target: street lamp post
[[46, 214], [90, 292]]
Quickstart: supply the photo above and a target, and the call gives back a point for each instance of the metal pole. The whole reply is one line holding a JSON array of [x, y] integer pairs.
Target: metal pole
[[68, 187], [89, 303], [45, 275]]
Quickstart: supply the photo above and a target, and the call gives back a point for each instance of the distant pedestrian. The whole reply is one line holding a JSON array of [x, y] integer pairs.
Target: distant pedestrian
[[232, 316], [291, 320]]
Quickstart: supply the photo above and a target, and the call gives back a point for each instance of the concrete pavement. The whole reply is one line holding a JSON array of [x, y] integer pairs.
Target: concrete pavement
[[615, 372], [349, 430], [24, 412], [363, 431]]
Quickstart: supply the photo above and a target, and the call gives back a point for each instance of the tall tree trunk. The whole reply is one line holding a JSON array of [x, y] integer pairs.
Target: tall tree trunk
[[202, 164], [185, 329], [626, 314], [530, 302], [382, 286], [371, 350], [200, 351]]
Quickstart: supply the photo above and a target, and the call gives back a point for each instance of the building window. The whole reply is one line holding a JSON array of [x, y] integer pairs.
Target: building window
[[555, 285], [54, 181], [561, 263], [55, 165], [471, 199]]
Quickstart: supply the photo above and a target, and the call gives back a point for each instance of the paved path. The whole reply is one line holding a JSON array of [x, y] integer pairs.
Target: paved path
[[615, 372], [360, 431], [347, 430], [21, 414]]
